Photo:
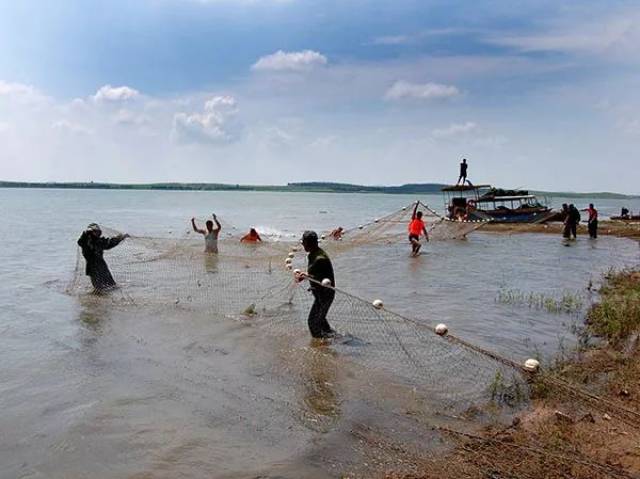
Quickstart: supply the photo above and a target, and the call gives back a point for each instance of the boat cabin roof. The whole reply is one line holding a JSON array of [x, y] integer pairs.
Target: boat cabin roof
[[464, 187], [507, 198]]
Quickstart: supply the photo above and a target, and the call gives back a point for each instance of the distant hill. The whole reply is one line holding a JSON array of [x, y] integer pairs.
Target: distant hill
[[313, 186], [293, 187]]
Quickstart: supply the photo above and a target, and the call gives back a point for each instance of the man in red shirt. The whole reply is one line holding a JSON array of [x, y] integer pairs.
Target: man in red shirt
[[416, 228], [592, 222]]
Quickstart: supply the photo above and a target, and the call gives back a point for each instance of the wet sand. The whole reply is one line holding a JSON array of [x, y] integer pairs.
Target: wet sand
[[605, 228]]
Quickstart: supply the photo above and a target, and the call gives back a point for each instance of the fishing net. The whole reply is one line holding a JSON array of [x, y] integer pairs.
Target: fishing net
[[392, 229], [256, 282], [453, 378]]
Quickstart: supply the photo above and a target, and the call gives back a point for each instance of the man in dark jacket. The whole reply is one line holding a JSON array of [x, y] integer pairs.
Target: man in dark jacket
[[93, 245], [574, 220], [319, 268], [566, 220]]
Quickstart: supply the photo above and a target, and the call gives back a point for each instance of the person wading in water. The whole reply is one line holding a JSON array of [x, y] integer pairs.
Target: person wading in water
[[416, 228], [592, 222], [93, 245], [319, 268], [210, 235], [574, 220], [251, 237]]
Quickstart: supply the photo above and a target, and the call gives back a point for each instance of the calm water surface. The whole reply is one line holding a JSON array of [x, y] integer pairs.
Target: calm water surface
[[88, 389]]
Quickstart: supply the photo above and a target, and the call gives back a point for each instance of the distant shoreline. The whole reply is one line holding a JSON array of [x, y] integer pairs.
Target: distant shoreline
[[310, 187]]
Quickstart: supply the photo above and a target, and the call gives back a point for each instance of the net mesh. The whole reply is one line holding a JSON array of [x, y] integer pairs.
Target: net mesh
[[255, 283]]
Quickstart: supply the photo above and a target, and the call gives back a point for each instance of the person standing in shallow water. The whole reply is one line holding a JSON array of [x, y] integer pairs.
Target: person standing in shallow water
[[592, 221], [574, 220], [93, 245], [210, 235], [319, 268], [416, 229], [566, 230], [251, 237]]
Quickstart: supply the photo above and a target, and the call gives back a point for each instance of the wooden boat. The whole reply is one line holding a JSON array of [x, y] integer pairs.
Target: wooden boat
[[626, 218], [474, 202]]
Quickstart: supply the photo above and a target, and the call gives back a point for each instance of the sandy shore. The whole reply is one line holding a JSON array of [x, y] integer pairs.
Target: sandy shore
[[605, 227]]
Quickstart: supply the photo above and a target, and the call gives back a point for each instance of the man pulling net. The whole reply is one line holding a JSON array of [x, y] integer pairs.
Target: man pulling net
[[93, 245], [319, 269], [416, 229]]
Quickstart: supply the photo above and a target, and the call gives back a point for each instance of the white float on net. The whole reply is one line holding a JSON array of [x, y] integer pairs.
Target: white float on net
[[377, 303], [326, 282], [292, 255], [296, 271], [532, 365], [288, 261], [442, 329]]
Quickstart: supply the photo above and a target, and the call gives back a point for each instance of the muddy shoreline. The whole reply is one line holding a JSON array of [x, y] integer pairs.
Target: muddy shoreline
[[605, 227], [584, 417]]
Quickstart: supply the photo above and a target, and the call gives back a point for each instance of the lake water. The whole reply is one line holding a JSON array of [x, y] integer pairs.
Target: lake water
[[91, 389]]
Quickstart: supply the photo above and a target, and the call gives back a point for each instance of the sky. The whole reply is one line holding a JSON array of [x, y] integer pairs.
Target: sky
[[535, 94]]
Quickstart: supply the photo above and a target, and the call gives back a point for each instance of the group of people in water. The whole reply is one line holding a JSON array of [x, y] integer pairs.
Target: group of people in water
[[571, 219], [319, 267]]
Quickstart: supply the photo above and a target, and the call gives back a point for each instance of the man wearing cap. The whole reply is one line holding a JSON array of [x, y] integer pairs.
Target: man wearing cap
[[319, 268], [93, 245]]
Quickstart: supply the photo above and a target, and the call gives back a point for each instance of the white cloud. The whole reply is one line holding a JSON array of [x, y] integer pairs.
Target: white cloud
[[128, 117], [630, 127], [392, 40], [21, 93], [108, 93], [422, 91], [617, 34], [290, 61], [217, 124], [15, 89], [454, 129], [65, 127], [324, 142], [278, 138]]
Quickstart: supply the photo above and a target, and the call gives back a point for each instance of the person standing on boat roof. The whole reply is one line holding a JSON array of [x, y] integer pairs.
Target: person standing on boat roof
[[416, 229], [93, 246], [463, 172], [210, 235], [319, 269]]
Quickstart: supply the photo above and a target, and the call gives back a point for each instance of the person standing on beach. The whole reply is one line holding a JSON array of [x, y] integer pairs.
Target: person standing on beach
[[574, 220], [416, 229], [210, 235], [463, 172], [319, 268], [566, 230], [592, 222], [93, 246]]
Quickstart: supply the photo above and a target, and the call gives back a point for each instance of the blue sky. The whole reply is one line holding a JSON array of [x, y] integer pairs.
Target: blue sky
[[542, 94]]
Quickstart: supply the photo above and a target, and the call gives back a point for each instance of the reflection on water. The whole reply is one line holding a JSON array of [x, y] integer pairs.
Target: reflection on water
[[211, 261], [93, 387], [320, 397]]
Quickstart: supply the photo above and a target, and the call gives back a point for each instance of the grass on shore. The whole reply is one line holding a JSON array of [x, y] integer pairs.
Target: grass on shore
[[561, 435]]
